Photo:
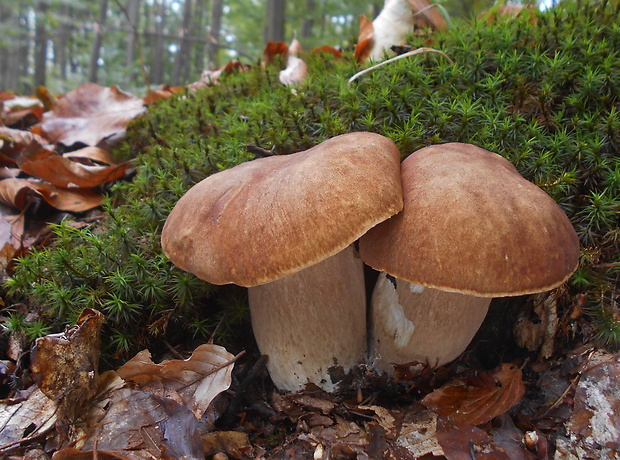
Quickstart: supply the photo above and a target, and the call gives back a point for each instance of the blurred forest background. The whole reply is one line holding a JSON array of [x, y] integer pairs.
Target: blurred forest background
[[137, 44]]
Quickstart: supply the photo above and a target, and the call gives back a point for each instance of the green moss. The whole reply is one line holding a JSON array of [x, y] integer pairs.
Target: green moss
[[540, 90]]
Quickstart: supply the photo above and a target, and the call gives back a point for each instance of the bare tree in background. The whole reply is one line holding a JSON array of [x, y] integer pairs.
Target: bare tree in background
[[40, 46], [98, 41], [276, 17], [181, 63], [157, 69], [214, 32], [133, 8]]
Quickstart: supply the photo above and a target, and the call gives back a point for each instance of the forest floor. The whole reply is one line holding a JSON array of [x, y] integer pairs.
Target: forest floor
[[499, 400]]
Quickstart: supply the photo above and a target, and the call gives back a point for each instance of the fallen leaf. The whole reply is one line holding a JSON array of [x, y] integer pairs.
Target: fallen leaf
[[365, 44], [328, 50], [296, 69], [229, 442], [164, 92], [91, 113], [12, 227], [273, 50], [27, 418], [393, 26], [594, 427], [21, 111], [415, 432], [19, 193], [65, 365], [138, 424], [212, 77], [91, 156], [461, 441], [193, 382], [60, 171], [47, 99], [17, 140], [487, 395], [425, 14]]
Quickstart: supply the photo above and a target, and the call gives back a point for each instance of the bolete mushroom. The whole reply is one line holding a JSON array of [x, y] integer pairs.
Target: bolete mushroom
[[472, 228], [283, 226]]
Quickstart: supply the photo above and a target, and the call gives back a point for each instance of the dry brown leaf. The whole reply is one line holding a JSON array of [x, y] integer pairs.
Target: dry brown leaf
[[91, 113], [6, 173], [212, 77], [21, 111], [425, 14], [130, 423], [47, 99], [91, 156], [164, 92], [594, 427], [19, 193], [12, 227], [65, 365], [328, 50], [274, 49], [487, 395], [415, 431], [193, 382], [71, 453], [460, 441], [296, 69], [47, 165], [70, 199], [230, 442], [364, 41], [28, 418], [17, 140], [391, 27]]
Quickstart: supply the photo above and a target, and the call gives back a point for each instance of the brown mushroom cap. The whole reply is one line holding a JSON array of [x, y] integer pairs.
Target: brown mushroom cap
[[271, 217], [472, 224]]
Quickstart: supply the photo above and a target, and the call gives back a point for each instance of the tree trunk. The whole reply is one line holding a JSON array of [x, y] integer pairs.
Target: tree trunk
[[40, 46], [133, 8], [157, 70], [96, 50], [184, 52], [214, 33], [61, 44], [306, 29], [199, 30], [22, 54], [274, 30]]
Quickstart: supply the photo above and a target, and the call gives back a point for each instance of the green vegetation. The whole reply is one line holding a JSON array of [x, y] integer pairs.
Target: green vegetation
[[541, 90]]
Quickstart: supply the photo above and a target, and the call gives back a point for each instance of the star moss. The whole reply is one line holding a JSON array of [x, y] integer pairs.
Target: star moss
[[541, 90]]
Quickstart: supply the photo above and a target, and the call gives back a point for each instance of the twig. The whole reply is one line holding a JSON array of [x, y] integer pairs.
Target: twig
[[573, 383], [396, 58]]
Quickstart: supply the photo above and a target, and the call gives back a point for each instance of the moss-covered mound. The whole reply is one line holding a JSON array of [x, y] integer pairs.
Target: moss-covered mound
[[541, 90]]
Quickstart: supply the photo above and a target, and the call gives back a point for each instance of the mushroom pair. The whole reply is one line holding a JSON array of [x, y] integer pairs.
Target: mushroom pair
[[472, 228], [283, 226]]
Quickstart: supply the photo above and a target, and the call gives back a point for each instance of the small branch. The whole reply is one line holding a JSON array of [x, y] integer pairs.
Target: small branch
[[396, 58]]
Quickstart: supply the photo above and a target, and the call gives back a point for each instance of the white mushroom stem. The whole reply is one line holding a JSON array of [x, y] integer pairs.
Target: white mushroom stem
[[311, 321], [415, 323]]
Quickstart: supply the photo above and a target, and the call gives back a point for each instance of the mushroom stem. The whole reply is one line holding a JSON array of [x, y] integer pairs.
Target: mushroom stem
[[311, 322], [412, 323]]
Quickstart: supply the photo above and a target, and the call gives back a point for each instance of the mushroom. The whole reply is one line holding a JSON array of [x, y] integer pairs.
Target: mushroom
[[283, 226], [472, 228]]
